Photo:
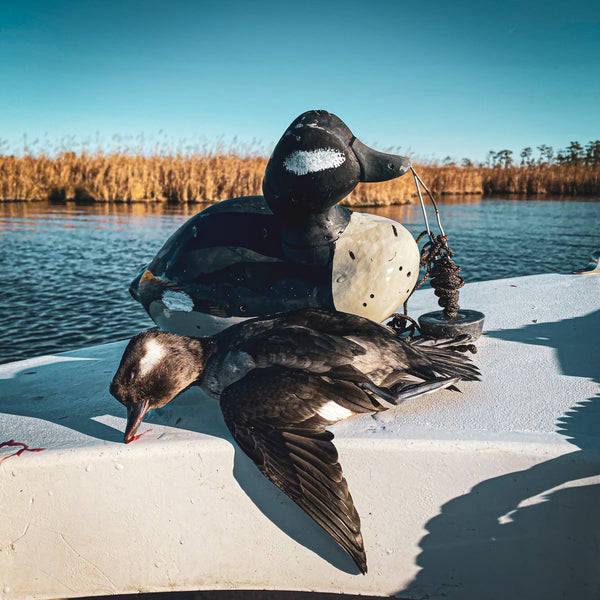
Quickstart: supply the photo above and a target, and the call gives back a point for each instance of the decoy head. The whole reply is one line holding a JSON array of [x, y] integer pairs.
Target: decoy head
[[156, 366], [318, 162]]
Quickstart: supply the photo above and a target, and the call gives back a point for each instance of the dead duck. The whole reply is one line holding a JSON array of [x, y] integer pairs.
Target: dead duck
[[281, 381]]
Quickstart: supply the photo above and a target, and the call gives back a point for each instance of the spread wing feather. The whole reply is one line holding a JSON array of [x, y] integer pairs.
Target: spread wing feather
[[292, 448]]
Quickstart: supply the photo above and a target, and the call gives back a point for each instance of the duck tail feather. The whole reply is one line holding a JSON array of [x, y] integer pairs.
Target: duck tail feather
[[448, 363]]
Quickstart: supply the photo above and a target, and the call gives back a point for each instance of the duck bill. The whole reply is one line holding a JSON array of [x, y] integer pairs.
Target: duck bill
[[378, 166], [136, 411]]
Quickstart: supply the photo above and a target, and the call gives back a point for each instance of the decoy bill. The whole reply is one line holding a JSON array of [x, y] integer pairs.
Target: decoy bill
[[292, 247], [281, 381]]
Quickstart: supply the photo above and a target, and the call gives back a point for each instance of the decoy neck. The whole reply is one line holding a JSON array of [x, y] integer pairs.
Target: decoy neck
[[315, 165]]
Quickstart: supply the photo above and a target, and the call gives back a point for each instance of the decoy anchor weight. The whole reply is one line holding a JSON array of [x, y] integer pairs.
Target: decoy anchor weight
[[437, 259]]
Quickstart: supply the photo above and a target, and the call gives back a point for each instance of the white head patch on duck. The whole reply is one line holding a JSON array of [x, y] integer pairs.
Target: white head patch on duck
[[155, 352], [302, 162]]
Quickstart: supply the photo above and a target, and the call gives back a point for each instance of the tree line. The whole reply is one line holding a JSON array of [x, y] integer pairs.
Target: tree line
[[574, 154]]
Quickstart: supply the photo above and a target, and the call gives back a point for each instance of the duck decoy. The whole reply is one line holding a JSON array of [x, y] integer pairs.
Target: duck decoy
[[281, 381], [592, 267], [293, 247]]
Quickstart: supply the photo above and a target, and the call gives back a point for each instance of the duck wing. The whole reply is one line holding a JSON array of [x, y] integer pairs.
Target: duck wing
[[273, 414], [300, 347], [317, 319]]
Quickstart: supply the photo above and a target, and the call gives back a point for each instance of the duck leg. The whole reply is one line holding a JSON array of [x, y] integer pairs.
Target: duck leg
[[399, 393]]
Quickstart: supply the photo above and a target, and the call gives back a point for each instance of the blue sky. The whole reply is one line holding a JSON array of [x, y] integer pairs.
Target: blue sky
[[431, 78]]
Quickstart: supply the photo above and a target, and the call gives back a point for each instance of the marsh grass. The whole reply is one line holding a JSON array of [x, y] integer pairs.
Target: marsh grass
[[212, 176]]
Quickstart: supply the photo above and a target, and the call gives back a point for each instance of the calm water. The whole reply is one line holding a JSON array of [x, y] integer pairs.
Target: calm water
[[65, 269]]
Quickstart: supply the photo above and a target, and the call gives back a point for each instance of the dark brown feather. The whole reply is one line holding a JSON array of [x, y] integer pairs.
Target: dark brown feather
[[297, 454]]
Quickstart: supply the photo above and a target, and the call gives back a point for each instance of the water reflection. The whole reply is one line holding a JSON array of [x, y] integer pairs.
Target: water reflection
[[15, 215], [66, 267]]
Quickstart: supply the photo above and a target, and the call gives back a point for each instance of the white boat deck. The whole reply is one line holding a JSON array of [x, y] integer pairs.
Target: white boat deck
[[492, 493]]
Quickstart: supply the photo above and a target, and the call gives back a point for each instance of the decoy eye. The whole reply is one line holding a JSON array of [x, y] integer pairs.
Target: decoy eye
[[390, 166]]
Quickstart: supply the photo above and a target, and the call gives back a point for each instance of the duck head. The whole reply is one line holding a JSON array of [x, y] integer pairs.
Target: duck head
[[316, 164], [156, 367]]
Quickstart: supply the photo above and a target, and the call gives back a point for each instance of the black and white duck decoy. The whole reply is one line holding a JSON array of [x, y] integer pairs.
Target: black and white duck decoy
[[281, 381], [293, 247]]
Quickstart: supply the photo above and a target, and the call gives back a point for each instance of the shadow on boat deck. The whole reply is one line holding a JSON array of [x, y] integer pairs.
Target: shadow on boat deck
[[533, 533]]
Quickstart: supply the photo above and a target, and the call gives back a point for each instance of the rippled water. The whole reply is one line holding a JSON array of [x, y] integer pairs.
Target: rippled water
[[65, 269]]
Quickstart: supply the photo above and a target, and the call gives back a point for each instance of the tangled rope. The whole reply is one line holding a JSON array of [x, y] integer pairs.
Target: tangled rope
[[437, 260], [436, 256]]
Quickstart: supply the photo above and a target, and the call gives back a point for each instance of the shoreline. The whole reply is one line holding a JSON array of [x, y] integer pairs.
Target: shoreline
[[206, 179], [444, 198]]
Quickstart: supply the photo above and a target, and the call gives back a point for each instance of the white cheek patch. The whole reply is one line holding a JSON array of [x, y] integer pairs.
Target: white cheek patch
[[332, 411], [154, 354], [302, 162], [177, 301]]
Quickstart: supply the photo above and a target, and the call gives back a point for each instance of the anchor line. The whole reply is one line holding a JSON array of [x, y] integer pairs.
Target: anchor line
[[437, 259], [13, 444]]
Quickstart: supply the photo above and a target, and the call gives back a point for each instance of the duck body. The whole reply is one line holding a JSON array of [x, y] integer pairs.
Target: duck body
[[291, 248], [281, 381]]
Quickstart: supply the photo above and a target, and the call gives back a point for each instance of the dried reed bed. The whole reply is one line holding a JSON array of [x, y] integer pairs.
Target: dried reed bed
[[124, 178], [539, 181], [561, 180], [210, 177], [440, 180]]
